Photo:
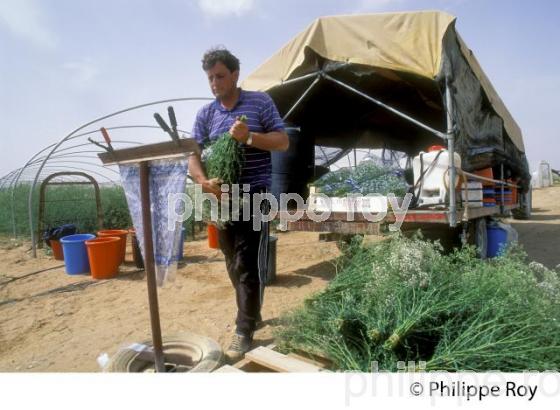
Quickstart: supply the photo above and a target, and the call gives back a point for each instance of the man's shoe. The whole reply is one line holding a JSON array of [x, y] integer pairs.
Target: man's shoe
[[240, 344]]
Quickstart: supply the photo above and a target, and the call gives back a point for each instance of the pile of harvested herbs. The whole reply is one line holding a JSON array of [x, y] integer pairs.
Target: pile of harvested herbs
[[367, 177], [223, 159], [403, 300]]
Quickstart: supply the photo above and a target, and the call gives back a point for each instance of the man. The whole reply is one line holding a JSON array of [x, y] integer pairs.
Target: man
[[262, 132]]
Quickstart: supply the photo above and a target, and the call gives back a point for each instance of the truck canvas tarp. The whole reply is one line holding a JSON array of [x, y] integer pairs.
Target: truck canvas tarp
[[403, 60]]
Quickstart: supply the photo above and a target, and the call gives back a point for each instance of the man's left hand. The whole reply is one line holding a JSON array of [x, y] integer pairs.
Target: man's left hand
[[240, 131]]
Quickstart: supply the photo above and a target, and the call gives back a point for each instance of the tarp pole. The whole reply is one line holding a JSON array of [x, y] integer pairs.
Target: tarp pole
[[388, 107], [451, 150], [502, 178], [301, 98], [303, 77]]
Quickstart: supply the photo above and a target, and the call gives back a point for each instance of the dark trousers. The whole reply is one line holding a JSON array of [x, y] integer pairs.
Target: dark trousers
[[244, 250]]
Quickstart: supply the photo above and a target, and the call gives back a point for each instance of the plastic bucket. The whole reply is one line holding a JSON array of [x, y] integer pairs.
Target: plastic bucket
[[497, 240], [75, 254], [136, 253], [120, 233], [104, 256], [213, 242], [57, 249], [485, 173]]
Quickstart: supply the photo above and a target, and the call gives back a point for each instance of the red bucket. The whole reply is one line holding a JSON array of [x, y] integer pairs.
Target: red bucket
[[104, 256], [213, 242], [57, 249], [120, 233]]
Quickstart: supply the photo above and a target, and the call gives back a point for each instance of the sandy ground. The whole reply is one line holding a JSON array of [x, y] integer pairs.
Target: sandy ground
[[540, 236], [53, 322], [56, 322]]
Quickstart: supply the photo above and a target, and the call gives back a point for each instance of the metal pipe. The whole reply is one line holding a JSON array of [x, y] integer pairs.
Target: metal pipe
[[495, 181], [451, 151], [302, 97], [502, 188], [90, 164], [16, 182], [389, 108], [69, 136], [60, 166], [120, 127], [303, 77]]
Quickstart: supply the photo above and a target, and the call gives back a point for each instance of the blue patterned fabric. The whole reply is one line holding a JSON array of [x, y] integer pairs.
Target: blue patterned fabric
[[166, 177]]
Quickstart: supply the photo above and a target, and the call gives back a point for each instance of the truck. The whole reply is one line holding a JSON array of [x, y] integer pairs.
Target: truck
[[401, 82]]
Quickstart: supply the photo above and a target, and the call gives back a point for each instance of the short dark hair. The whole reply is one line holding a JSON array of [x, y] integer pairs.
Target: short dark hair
[[222, 55]]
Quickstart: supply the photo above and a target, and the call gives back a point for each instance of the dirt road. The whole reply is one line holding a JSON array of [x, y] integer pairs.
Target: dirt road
[[540, 236]]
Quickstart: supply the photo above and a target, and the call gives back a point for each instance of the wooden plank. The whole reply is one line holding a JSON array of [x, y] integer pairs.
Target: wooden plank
[[337, 223], [228, 369], [341, 227], [307, 360], [147, 152], [279, 362]]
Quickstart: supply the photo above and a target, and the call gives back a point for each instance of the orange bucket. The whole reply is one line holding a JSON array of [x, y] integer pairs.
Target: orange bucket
[[104, 256], [57, 249], [213, 237], [485, 173], [121, 233]]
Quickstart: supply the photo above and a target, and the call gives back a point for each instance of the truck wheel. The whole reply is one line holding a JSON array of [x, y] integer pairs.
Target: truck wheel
[[184, 352], [477, 236], [525, 205]]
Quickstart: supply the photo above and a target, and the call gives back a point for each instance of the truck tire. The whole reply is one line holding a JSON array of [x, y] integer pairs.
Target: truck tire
[[478, 236], [525, 205], [183, 352]]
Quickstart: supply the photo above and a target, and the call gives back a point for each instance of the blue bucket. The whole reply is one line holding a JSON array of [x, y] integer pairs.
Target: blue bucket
[[497, 240], [75, 253]]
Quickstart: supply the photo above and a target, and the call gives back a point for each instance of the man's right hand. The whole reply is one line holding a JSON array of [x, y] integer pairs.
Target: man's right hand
[[212, 186]]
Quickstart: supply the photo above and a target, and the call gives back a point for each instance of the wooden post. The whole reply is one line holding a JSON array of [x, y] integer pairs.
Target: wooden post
[[150, 265], [142, 155]]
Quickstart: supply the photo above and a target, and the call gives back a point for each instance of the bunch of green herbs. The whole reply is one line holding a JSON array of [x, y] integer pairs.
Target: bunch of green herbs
[[403, 300]]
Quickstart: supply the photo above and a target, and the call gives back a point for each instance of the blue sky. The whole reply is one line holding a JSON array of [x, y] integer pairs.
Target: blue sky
[[64, 63]]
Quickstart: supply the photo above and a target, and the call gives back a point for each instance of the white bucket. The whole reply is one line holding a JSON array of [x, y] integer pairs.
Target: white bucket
[[432, 168]]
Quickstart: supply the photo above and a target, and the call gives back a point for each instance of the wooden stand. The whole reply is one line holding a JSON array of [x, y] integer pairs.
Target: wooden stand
[[143, 155]]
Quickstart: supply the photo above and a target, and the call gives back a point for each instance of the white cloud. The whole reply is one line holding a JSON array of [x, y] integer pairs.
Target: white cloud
[[225, 8], [81, 72], [25, 19]]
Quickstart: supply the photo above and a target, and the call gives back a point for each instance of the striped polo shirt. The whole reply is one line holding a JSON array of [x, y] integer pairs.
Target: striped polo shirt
[[212, 120]]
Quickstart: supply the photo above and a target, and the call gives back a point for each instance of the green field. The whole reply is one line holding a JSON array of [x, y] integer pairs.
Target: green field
[[70, 204], [64, 204]]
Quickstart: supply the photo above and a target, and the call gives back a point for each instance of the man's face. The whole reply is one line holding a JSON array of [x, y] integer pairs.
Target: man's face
[[222, 81]]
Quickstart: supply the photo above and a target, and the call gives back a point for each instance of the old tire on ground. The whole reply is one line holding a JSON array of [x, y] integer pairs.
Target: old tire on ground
[[525, 205], [183, 352]]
